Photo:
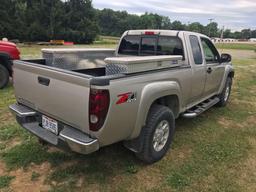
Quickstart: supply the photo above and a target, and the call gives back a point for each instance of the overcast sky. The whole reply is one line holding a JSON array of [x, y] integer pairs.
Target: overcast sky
[[233, 14]]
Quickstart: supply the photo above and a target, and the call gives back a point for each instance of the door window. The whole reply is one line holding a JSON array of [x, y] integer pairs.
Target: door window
[[210, 52]]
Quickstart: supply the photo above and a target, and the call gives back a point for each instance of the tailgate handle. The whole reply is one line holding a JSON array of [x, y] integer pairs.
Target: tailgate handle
[[43, 81]]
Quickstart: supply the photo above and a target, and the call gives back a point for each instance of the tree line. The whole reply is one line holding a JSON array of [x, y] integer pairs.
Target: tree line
[[78, 21]]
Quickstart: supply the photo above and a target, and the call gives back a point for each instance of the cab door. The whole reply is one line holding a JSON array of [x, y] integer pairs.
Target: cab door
[[214, 70]]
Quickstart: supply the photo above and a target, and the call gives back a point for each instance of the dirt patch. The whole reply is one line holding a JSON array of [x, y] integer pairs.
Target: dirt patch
[[252, 104], [2, 168], [6, 117], [149, 181], [226, 123], [13, 143], [23, 182], [179, 155], [52, 149], [251, 120]]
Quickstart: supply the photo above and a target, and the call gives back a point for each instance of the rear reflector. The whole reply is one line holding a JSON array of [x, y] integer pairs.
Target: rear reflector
[[98, 108]]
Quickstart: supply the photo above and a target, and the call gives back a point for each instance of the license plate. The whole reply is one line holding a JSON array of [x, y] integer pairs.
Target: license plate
[[50, 124]]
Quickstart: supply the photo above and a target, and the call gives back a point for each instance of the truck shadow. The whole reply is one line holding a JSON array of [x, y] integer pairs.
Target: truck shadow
[[99, 167], [115, 160]]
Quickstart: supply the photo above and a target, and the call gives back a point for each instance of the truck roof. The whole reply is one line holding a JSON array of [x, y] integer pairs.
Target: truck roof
[[160, 32]]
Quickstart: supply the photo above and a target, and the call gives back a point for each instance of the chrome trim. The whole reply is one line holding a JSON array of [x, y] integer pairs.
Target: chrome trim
[[22, 110], [78, 142], [189, 115], [81, 147]]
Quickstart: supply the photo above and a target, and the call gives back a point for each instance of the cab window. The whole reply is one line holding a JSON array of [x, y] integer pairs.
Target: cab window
[[130, 45], [151, 45]]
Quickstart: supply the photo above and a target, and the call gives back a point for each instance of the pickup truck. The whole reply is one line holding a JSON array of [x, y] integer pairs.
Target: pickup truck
[[132, 94], [8, 53]]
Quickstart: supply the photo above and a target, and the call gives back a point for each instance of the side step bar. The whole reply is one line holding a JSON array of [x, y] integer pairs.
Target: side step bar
[[200, 108]]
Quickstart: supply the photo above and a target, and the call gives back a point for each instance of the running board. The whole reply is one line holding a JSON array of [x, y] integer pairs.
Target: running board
[[200, 108]]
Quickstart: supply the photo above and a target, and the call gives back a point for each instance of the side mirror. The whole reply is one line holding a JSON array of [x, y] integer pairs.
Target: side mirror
[[225, 58]]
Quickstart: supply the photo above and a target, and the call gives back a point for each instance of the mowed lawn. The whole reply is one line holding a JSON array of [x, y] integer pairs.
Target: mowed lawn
[[214, 152]]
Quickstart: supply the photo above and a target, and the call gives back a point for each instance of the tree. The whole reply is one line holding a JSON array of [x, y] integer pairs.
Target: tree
[[196, 27], [177, 25], [227, 34], [78, 21], [246, 33], [212, 30]]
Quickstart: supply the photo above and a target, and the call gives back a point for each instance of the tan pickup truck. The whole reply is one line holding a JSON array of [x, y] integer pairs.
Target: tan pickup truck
[[85, 99]]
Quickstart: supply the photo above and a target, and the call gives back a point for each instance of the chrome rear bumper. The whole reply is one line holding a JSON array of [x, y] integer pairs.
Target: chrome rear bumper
[[68, 136]]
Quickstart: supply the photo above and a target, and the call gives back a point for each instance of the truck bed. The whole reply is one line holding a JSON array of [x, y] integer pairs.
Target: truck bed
[[95, 72]]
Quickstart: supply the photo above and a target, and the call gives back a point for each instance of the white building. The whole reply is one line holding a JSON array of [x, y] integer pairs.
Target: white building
[[252, 40]]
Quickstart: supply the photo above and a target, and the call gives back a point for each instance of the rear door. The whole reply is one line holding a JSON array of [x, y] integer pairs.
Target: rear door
[[214, 69], [59, 94]]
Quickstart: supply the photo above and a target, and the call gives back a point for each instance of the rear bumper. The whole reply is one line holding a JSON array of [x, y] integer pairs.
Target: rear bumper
[[68, 137]]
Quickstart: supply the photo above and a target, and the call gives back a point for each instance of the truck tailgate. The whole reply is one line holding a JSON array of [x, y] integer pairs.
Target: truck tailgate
[[59, 94]]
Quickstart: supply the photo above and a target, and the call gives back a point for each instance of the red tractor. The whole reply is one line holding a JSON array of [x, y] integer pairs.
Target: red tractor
[[8, 53]]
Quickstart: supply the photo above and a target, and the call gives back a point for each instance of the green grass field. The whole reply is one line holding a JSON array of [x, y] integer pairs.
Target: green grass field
[[214, 152], [239, 46]]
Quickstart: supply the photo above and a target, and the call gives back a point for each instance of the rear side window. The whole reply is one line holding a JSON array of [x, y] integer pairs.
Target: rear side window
[[130, 45], [196, 50], [169, 46], [151, 45]]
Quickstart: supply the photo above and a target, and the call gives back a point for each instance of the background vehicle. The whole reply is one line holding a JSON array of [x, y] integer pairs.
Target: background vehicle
[[8, 53], [135, 96]]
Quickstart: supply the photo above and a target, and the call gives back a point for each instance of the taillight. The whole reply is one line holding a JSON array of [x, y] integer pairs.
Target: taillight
[[149, 33], [98, 108]]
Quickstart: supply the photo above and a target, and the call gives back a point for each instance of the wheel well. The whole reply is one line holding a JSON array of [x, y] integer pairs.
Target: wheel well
[[171, 101], [5, 61], [231, 74]]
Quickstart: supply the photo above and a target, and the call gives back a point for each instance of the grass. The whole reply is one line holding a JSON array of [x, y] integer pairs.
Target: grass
[[34, 176], [214, 152], [5, 181], [239, 46]]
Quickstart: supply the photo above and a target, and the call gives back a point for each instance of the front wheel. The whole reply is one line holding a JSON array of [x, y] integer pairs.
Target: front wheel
[[4, 77], [157, 134], [225, 94]]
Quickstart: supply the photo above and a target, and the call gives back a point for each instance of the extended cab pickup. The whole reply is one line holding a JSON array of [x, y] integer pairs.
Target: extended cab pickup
[[132, 94]]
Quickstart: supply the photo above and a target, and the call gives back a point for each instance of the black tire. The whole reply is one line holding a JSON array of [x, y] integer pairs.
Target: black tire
[[223, 97], [157, 115], [4, 77]]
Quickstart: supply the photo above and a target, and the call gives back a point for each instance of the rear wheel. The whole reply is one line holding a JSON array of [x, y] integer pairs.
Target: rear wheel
[[4, 77], [157, 134]]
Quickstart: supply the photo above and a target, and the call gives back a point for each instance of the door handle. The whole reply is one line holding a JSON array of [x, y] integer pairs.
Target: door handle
[[209, 70], [43, 81]]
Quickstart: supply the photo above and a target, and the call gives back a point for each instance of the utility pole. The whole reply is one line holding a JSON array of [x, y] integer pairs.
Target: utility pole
[[210, 26], [222, 32]]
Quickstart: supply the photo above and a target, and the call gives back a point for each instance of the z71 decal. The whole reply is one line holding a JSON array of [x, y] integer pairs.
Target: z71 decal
[[126, 98]]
